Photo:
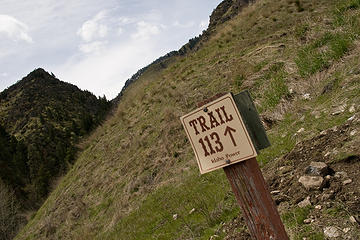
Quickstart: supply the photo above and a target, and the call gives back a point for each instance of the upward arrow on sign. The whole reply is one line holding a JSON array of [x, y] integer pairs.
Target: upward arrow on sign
[[229, 131], [217, 134]]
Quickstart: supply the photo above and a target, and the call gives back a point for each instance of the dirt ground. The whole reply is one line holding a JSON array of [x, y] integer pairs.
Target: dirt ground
[[336, 204]]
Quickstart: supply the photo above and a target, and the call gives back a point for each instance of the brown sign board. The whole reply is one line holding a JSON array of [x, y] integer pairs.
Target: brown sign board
[[218, 134]]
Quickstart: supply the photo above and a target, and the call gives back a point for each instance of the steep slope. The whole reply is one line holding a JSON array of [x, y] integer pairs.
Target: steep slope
[[136, 177], [41, 120], [225, 11]]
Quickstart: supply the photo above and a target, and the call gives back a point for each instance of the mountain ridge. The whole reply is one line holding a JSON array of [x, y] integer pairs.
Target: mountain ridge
[[226, 10], [41, 121]]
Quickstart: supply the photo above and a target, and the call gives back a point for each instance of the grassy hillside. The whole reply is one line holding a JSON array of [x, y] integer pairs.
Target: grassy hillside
[[136, 177]]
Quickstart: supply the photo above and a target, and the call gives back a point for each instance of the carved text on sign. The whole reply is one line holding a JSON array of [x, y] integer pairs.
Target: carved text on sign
[[218, 134]]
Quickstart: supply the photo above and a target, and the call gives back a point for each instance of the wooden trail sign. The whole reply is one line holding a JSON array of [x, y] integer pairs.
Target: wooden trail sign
[[218, 134], [227, 132]]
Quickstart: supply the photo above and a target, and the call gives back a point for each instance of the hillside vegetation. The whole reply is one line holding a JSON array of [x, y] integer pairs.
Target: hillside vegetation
[[41, 120], [136, 176]]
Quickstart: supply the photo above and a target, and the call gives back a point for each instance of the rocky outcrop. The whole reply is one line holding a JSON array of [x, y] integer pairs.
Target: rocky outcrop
[[225, 11]]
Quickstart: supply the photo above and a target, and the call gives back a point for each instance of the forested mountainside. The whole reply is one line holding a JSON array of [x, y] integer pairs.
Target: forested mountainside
[[136, 176], [41, 120]]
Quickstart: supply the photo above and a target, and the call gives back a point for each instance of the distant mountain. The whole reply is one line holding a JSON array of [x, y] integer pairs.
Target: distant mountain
[[41, 120], [48, 116]]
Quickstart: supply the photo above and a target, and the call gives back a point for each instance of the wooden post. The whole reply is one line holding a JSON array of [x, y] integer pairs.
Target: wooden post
[[247, 181], [252, 194]]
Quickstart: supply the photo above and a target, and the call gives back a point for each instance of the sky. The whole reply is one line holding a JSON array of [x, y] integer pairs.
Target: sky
[[96, 45]]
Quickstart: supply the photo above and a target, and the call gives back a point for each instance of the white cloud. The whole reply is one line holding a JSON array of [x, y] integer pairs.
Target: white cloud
[[125, 20], [145, 30], [120, 31], [14, 29], [84, 45], [93, 47], [183, 25], [204, 24], [93, 28], [107, 72]]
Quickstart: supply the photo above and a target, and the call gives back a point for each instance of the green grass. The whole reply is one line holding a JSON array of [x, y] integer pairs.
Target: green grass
[[294, 220], [301, 31], [273, 81], [281, 139], [207, 194], [334, 212], [276, 90], [296, 217], [260, 65], [239, 80], [332, 45], [348, 5], [318, 55]]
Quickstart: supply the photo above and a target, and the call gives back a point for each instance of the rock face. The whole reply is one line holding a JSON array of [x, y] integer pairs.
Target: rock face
[[346, 182], [341, 174], [304, 203], [315, 173], [352, 219], [312, 182], [331, 232], [317, 169], [226, 10]]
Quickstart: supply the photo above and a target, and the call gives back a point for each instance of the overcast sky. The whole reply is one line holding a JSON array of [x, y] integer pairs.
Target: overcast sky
[[96, 45]]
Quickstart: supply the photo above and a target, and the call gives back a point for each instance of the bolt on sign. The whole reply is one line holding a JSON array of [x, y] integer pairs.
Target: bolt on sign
[[218, 134]]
